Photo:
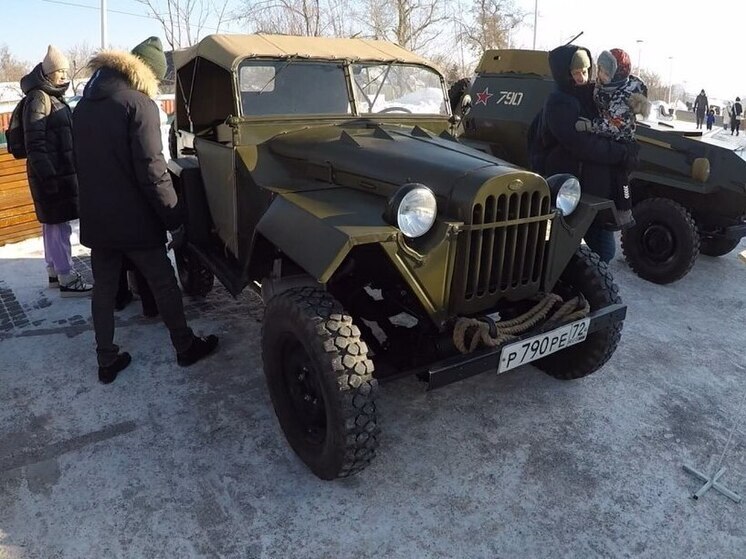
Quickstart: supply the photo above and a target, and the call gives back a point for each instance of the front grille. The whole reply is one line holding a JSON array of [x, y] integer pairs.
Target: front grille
[[501, 252]]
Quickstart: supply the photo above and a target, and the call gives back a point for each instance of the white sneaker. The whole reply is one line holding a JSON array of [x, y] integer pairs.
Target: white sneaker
[[73, 285]]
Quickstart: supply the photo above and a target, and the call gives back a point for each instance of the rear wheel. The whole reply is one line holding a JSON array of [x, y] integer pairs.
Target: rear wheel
[[717, 246], [320, 381], [664, 243], [196, 278], [587, 275]]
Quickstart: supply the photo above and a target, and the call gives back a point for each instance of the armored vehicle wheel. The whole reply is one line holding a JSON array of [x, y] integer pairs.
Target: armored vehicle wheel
[[320, 381], [588, 275], [664, 243], [717, 246], [195, 277]]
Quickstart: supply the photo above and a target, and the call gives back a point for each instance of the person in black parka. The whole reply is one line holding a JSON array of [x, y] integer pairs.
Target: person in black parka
[[50, 166], [594, 159], [700, 108], [127, 201]]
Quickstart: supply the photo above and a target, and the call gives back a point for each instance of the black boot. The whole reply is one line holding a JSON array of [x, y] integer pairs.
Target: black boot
[[200, 348], [107, 374]]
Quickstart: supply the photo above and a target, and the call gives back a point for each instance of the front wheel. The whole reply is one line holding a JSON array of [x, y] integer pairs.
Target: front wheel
[[320, 381], [664, 243], [586, 275]]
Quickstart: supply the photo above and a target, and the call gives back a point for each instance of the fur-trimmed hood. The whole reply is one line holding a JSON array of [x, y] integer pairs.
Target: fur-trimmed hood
[[138, 74]]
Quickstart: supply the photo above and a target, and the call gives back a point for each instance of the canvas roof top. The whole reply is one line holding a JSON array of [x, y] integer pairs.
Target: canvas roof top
[[226, 50]]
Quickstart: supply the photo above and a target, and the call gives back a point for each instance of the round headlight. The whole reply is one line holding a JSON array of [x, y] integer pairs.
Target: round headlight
[[412, 209], [566, 190]]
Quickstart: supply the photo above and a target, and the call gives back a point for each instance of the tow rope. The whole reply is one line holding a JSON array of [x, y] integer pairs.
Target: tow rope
[[493, 334]]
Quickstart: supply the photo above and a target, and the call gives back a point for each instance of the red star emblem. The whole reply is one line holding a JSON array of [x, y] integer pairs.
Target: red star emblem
[[484, 96]]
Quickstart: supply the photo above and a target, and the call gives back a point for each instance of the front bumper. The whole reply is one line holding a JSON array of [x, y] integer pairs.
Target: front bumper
[[461, 367]]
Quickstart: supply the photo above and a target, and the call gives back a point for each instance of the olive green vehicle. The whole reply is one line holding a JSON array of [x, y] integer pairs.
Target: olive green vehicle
[[689, 193], [322, 174]]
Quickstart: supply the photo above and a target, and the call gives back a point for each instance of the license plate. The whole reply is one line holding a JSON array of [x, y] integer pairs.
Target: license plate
[[522, 352]]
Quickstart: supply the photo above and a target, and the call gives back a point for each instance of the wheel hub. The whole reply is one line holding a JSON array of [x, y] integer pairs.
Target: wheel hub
[[305, 394], [658, 242]]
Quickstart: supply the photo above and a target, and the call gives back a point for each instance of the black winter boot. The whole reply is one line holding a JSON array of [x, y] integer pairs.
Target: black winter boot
[[107, 374], [200, 348]]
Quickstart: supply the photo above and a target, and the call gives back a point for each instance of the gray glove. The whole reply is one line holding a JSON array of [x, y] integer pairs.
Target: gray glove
[[584, 125]]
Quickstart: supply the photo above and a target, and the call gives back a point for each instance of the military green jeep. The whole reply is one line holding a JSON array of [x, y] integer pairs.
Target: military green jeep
[[322, 174], [689, 191]]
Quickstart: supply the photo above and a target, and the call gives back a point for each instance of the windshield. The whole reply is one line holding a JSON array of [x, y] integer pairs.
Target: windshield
[[398, 88], [292, 87]]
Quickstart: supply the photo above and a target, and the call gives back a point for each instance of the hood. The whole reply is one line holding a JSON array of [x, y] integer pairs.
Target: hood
[[36, 79], [381, 158], [133, 71], [559, 63]]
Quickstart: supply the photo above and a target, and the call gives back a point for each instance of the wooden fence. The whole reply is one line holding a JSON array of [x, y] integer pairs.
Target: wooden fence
[[17, 218]]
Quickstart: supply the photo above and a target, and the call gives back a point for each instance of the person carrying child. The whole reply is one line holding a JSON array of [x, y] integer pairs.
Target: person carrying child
[[618, 96]]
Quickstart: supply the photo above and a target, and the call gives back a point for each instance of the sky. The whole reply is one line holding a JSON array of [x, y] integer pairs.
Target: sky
[[707, 49]]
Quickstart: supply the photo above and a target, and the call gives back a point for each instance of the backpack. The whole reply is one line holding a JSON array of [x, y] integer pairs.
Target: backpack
[[540, 142], [15, 134]]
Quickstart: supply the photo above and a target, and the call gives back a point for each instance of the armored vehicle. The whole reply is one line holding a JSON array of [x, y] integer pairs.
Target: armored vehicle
[[322, 174], [689, 193]]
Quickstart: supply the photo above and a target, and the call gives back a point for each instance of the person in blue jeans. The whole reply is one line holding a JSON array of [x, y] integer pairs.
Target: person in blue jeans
[[594, 159]]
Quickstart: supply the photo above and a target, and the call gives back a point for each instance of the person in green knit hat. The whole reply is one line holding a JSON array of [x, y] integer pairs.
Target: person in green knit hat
[[127, 200]]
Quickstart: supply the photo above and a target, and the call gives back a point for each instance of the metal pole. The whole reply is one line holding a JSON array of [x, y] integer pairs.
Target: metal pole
[[639, 55], [670, 77], [104, 39], [536, 12]]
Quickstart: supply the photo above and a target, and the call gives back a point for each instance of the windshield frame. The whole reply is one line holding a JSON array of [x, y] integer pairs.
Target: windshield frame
[[360, 102], [356, 104]]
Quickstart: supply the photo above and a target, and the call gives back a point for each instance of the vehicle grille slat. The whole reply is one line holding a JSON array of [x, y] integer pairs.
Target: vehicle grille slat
[[490, 215]]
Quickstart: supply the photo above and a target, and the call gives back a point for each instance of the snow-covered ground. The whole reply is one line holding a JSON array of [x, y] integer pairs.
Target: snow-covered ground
[[171, 462]]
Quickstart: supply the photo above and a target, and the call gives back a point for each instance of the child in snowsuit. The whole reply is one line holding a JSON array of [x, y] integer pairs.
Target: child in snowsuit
[[619, 96], [710, 119]]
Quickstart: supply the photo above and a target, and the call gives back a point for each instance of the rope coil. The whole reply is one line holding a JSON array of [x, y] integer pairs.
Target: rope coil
[[478, 330]]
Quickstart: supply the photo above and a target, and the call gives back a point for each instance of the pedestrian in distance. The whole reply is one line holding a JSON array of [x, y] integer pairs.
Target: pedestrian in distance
[[710, 119], [127, 200], [701, 105], [50, 165], [736, 115]]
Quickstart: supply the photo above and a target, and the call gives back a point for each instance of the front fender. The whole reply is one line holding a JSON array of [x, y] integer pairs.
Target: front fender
[[318, 229], [568, 232]]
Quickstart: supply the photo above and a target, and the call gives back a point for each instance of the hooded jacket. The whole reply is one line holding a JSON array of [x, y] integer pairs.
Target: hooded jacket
[[127, 200], [50, 164], [594, 159]]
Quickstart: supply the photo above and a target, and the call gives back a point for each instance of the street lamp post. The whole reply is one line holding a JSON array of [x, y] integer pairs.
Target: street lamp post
[[103, 24], [639, 54], [670, 77], [536, 12]]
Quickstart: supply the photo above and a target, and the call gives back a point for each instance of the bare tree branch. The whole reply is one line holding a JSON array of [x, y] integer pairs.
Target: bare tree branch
[[79, 55], [184, 21], [11, 68]]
